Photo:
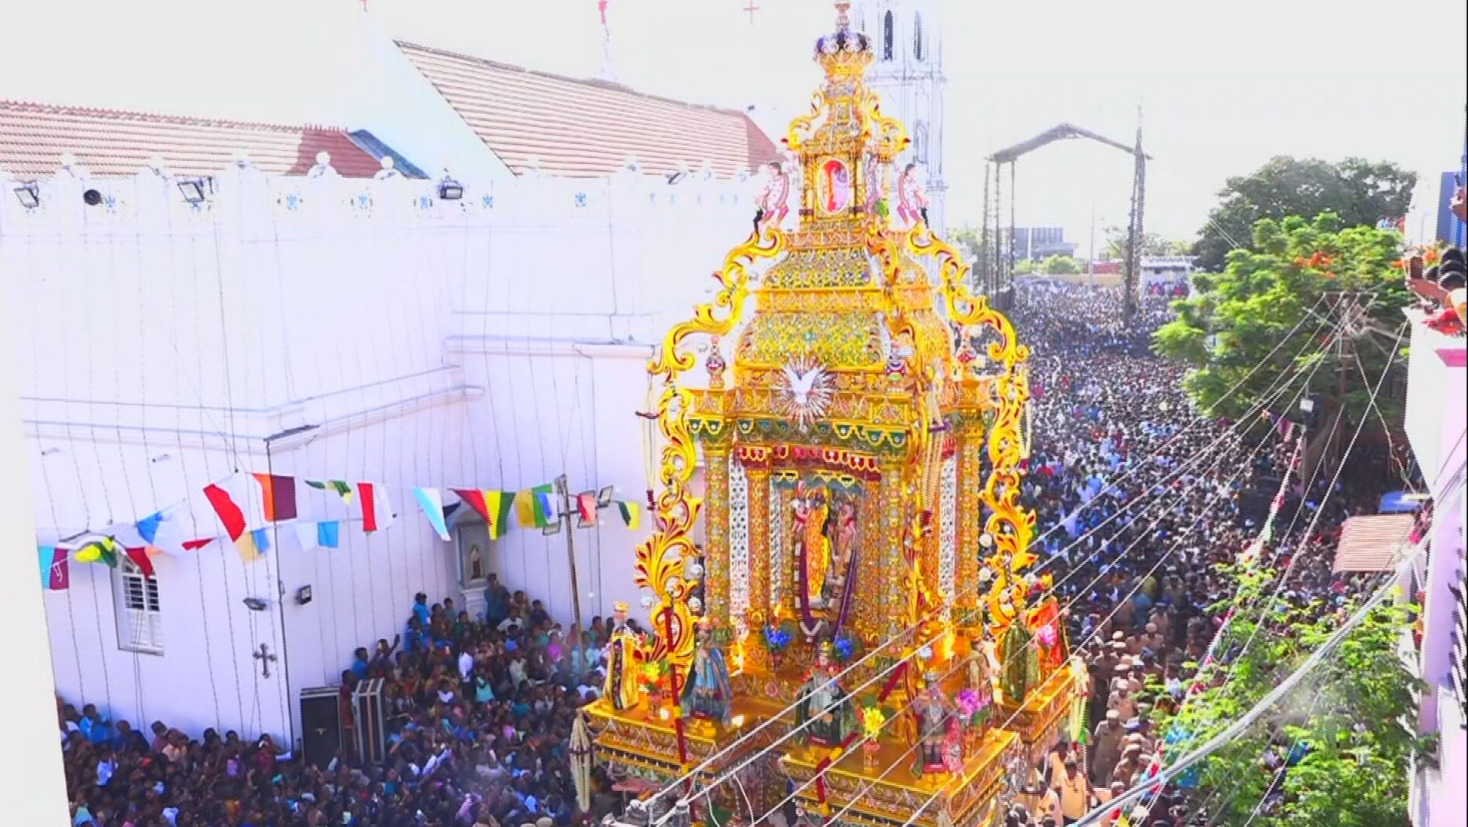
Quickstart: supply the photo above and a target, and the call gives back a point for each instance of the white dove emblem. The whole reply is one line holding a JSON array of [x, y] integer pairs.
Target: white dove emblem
[[800, 384], [807, 390]]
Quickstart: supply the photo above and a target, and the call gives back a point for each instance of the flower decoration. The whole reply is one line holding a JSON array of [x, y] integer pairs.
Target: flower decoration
[[778, 637], [844, 648], [872, 721], [968, 703], [1047, 635], [653, 675]]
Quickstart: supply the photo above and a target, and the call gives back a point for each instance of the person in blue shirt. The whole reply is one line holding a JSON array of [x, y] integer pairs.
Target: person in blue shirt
[[93, 726], [361, 664], [414, 637], [420, 608]]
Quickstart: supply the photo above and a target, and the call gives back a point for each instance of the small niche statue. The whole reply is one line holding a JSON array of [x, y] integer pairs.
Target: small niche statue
[[707, 692], [824, 703]]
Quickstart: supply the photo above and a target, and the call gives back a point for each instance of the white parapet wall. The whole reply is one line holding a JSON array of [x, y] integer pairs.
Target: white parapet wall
[[328, 328]]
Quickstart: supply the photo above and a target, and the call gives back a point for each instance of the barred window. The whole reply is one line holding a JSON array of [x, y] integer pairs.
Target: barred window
[[139, 613], [917, 36], [888, 33]]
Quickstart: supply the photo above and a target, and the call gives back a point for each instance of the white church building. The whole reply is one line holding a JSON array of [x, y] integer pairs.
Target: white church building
[[459, 290]]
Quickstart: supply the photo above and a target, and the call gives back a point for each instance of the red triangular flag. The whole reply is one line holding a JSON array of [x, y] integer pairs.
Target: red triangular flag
[[229, 512], [586, 506], [139, 556], [475, 500]]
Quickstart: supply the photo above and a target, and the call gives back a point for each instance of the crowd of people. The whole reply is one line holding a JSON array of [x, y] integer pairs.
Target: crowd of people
[[1138, 499], [479, 717]]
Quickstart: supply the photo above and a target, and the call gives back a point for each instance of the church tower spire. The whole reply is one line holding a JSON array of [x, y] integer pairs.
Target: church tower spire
[[907, 39]]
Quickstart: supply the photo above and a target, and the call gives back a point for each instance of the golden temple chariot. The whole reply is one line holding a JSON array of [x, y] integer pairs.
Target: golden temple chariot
[[839, 611]]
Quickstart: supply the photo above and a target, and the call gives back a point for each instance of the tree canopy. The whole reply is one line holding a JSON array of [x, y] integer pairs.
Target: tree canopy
[[1058, 265], [1345, 755], [1153, 244], [1357, 191], [1235, 318]]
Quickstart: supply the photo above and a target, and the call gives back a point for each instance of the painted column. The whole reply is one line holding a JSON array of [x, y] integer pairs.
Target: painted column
[[970, 510], [716, 556], [895, 586], [756, 659]]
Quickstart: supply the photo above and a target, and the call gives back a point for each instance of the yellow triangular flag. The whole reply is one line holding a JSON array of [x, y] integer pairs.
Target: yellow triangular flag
[[525, 508]]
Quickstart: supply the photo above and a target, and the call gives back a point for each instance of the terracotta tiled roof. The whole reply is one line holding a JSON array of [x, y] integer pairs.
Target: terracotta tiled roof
[[581, 128], [1372, 542], [112, 142]]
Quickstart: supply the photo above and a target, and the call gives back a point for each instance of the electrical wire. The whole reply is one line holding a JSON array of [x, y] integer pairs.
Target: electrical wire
[[869, 655], [1202, 514], [705, 790], [716, 756], [1248, 718]]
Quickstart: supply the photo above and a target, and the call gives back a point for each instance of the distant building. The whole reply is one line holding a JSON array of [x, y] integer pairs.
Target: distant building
[[1435, 426], [1167, 275], [1039, 243]]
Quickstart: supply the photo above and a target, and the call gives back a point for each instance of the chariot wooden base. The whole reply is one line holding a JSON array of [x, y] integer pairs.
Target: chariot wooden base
[[890, 794], [1042, 717]]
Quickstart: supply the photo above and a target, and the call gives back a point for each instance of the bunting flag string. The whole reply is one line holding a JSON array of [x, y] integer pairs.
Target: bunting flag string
[[431, 501], [545, 508], [376, 513], [342, 488], [631, 513], [55, 569], [280, 496], [246, 517]]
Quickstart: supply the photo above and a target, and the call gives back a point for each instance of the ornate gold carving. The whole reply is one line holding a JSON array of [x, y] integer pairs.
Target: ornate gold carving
[[970, 466], [837, 340], [716, 556], [756, 659], [660, 558]]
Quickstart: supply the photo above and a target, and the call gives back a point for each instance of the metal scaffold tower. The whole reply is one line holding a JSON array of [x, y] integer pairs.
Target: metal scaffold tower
[[996, 259]]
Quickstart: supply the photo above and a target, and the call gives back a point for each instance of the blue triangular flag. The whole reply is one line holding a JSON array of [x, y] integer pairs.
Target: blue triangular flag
[[328, 534], [431, 500], [148, 527]]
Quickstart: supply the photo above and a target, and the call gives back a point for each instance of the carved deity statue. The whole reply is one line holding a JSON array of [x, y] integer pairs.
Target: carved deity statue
[[707, 692], [812, 542], [773, 202], [912, 201], [620, 686], [823, 703], [933, 713]]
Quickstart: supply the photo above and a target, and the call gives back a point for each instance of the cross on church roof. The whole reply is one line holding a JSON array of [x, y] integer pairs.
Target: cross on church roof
[[751, 8]]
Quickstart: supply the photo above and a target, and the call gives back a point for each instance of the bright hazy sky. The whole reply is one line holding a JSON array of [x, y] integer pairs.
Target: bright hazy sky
[[1224, 86]]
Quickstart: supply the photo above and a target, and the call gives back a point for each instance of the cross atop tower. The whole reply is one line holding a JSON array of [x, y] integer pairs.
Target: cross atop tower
[[751, 8]]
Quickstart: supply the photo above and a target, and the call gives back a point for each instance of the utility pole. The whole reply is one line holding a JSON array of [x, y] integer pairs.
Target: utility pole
[[564, 513]]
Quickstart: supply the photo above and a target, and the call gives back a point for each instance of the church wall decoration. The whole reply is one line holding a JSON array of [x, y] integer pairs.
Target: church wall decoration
[[252, 507]]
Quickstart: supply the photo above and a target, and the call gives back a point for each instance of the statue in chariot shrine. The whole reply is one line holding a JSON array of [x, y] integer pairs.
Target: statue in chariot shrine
[[934, 720], [824, 703], [707, 692]]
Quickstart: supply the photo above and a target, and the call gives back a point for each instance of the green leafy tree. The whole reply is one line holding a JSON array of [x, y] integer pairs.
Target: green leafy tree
[[1341, 729], [967, 238], [1024, 267], [1360, 192], [1058, 265], [1153, 244], [1235, 318]]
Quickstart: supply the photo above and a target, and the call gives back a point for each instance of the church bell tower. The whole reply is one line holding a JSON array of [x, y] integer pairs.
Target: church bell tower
[[908, 72]]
